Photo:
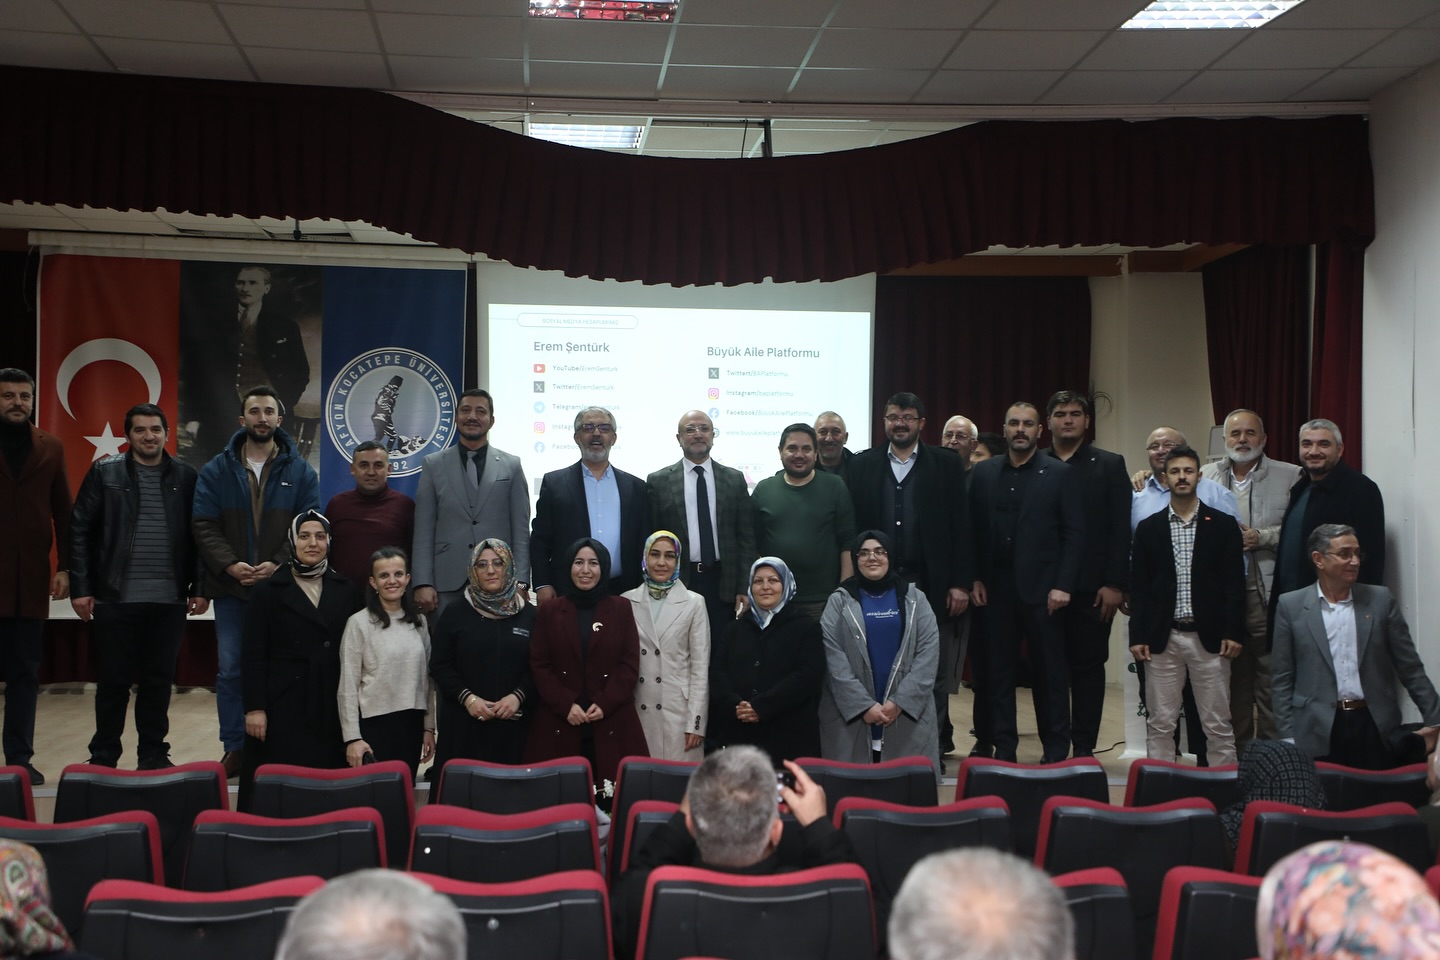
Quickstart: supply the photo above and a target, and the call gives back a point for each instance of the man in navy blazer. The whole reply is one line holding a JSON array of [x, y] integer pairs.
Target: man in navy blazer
[[589, 498], [1187, 610], [1028, 541]]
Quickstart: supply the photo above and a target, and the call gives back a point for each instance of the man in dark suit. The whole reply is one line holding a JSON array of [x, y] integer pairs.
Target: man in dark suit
[[914, 492], [1102, 487], [707, 505], [1027, 555], [589, 498], [1187, 610], [1340, 647]]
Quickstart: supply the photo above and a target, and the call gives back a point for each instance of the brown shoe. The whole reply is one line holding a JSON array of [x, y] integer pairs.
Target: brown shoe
[[231, 762]]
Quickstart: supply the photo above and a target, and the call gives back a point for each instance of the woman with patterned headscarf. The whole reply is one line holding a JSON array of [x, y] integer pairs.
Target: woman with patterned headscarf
[[28, 924], [481, 663], [291, 658], [673, 692], [766, 671], [1336, 900]]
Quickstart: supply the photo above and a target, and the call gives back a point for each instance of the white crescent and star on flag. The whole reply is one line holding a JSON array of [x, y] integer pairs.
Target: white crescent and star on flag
[[106, 348]]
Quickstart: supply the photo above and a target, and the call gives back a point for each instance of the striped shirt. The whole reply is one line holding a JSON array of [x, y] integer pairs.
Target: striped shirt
[[150, 571], [1182, 540]]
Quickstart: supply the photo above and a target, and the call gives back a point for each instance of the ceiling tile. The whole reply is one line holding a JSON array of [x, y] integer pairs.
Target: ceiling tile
[[822, 141], [69, 51], [35, 15], [319, 67], [1161, 49], [988, 86], [440, 36], [1352, 14], [1412, 48], [741, 46], [468, 8], [770, 13], [720, 141], [557, 79], [738, 83], [342, 30], [459, 75], [821, 85], [310, 4], [884, 49], [1430, 23], [946, 15], [1022, 50], [1269, 48], [1353, 84], [1064, 15], [1116, 86], [149, 20], [608, 41], [212, 61], [1244, 86]]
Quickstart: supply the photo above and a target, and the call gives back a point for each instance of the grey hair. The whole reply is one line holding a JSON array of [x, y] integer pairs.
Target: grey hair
[[1238, 410], [732, 805], [1320, 537], [974, 430], [580, 417], [979, 904], [1321, 424], [374, 915]]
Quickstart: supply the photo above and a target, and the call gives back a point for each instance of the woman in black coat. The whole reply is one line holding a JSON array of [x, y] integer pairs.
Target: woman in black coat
[[766, 669], [290, 661]]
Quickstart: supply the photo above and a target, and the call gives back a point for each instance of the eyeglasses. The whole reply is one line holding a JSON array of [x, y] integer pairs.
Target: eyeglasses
[[691, 429], [601, 428], [956, 435], [879, 553], [489, 564], [1161, 445], [901, 418], [1347, 557]]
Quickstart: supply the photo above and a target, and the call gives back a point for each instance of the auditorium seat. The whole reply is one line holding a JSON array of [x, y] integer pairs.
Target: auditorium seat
[[494, 847], [233, 850], [819, 914], [287, 791], [558, 916], [81, 853], [17, 801], [642, 778], [644, 818], [174, 795], [127, 920], [1100, 906], [1026, 787], [1432, 879], [1143, 843], [1349, 788], [907, 780], [515, 788], [1160, 781], [1272, 830], [1206, 915]]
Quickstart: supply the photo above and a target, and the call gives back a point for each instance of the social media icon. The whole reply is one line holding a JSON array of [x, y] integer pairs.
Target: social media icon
[[539, 426], [539, 386], [714, 373], [539, 406], [539, 448], [538, 368], [714, 393], [714, 412]]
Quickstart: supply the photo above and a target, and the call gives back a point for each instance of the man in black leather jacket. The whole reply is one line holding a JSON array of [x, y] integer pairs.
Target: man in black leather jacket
[[134, 569]]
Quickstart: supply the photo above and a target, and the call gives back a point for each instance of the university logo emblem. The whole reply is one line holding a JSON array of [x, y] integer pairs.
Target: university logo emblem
[[396, 397]]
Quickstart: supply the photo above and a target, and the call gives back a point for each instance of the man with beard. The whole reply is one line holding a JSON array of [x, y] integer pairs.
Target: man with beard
[[590, 498], [369, 517], [1028, 544], [805, 518], [830, 436], [1099, 481], [913, 491], [467, 494], [1262, 491], [245, 499]]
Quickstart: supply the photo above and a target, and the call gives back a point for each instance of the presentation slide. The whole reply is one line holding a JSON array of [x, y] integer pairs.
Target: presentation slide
[[753, 370]]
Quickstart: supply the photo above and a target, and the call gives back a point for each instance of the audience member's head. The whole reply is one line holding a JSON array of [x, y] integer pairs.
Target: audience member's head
[[1334, 900], [27, 924], [734, 814], [1274, 770], [988, 445], [374, 915], [979, 904]]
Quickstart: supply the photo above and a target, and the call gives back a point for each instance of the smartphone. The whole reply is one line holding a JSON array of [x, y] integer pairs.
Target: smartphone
[[783, 778]]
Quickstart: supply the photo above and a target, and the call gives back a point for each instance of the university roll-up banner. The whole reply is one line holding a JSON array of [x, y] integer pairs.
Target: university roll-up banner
[[354, 353]]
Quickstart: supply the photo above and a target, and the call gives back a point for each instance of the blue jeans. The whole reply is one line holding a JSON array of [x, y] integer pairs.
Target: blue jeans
[[229, 698]]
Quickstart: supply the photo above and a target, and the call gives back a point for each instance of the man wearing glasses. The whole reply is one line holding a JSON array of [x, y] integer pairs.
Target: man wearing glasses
[[1340, 647], [708, 505], [590, 498]]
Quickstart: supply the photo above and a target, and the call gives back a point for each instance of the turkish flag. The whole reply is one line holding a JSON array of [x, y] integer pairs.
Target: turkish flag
[[109, 339]]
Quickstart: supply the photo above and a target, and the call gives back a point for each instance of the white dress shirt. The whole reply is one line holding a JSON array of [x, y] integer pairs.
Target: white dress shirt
[[692, 516]]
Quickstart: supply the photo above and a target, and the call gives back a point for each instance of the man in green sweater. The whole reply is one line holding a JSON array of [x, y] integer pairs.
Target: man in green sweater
[[805, 518]]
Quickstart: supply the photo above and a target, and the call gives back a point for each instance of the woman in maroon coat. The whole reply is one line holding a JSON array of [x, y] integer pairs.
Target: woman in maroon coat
[[585, 659]]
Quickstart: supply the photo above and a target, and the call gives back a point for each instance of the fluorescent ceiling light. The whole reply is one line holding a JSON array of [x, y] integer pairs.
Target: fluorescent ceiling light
[[654, 11], [1207, 14], [595, 135]]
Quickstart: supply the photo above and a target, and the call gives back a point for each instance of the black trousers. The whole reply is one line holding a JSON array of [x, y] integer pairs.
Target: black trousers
[[1007, 620], [396, 736], [21, 640], [1355, 741], [134, 641], [720, 610], [1087, 647]]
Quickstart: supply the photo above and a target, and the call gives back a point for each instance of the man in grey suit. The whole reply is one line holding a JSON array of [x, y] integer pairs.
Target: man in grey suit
[[1339, 647], [707, 505], [467, 493]]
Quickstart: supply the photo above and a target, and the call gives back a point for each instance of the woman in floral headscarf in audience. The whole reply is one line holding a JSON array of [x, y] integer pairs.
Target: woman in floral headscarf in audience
[[28, 927]]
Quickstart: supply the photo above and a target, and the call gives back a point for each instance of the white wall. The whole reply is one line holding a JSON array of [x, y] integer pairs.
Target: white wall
[[1402, 343]]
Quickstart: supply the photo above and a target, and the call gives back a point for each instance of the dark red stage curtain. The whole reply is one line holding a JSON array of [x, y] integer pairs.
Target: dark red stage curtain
[[1337, 337], [118, 141], [974, 345], [1256, 322]]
